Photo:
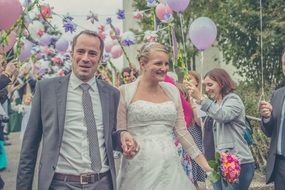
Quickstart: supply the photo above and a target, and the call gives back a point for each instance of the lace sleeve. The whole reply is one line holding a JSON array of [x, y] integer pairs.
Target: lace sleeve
[[184, 136], [122, 111]]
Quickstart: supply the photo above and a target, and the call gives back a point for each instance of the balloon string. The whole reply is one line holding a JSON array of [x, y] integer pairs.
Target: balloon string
[[171, 45], [261, 52], [121, 45], [183, 41], [154, 21], [202, 68]]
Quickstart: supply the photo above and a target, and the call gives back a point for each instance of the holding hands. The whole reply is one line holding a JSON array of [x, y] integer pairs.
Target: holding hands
[[129, 145], [265, 109]]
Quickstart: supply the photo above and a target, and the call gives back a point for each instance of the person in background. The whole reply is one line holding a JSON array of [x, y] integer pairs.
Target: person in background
[[228, 127], [8, 74], [129, 75], [195, 128], [273, 126]]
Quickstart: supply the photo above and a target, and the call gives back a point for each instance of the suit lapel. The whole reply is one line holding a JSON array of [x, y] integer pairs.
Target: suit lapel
[[61, 96], [104, 97], [280, 99]]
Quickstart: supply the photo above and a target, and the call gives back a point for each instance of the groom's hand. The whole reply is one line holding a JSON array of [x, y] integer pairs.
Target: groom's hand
[[129, 145]]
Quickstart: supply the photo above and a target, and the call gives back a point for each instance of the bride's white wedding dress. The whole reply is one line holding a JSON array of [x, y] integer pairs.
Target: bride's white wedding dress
[[157, 165]]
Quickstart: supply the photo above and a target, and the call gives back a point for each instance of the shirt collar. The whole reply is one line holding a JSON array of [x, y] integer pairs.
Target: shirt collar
[[75, 82]]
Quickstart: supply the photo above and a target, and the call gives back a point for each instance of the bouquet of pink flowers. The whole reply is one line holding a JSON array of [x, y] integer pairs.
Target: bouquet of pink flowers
[[225, 165]]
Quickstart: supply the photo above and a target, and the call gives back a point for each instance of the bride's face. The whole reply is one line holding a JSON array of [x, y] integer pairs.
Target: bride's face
[[157, 66]]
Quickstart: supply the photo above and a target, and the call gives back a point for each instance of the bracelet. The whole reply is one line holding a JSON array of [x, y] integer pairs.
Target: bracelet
[[122, 130]]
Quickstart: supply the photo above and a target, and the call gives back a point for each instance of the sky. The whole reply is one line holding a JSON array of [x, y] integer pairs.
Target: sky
[[79, 9]]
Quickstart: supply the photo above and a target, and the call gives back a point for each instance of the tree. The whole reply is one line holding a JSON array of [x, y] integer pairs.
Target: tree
[[238, 23]]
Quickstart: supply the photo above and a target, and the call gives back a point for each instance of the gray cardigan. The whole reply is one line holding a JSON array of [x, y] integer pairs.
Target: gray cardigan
[[229, 126]]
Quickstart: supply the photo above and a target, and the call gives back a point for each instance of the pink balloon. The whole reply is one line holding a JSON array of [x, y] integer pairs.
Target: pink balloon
[[116, 51], [203, 33], [109, 43], [10, 12], [178, 5], [11, 41], [161, 10]]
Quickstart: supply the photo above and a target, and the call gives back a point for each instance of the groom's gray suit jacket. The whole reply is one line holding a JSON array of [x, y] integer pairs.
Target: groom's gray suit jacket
[[46, 122]]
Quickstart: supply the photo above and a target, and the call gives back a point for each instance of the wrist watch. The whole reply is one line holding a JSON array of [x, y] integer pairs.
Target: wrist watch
[[122, 130]]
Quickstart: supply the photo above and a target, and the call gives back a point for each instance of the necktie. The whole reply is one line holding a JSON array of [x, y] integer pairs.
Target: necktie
[[96, 164]]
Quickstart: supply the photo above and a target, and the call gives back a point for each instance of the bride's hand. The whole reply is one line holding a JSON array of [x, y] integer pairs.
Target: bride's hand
[[129, 145]]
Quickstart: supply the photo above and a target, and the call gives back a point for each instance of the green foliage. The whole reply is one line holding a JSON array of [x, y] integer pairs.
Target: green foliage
[[238, 23], [215, 175], [251, 95]]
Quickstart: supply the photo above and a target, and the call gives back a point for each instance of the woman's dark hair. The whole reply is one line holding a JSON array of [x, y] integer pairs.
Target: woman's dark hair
[[223, 79], [126, 70]]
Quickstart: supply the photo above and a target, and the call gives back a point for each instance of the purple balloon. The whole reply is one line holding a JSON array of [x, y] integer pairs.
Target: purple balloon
[[178, 5], [61, 45], [203, 33], [45, 40], [26, 50]]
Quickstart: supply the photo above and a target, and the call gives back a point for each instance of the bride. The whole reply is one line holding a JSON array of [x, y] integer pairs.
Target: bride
[[150, 110]]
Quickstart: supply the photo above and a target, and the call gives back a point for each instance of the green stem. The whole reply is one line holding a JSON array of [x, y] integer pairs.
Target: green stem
[[120, 43]]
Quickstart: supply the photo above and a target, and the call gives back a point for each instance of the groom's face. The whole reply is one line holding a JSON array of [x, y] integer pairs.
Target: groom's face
[[86, 56]]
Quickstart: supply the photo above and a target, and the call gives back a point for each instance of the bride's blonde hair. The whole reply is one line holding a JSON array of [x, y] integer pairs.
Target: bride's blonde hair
[[144, 52]]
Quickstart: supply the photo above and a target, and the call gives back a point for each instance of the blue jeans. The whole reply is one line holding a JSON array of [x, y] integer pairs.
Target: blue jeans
[[246, 175]]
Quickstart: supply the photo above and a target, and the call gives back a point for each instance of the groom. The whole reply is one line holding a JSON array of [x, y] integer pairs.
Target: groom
[[75, 116]]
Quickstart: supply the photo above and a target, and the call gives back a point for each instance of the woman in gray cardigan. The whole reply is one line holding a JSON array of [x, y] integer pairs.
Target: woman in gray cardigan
[[228, 114]]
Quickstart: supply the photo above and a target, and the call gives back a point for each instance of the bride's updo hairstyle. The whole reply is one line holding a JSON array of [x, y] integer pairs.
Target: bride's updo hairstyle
[[145, 51]]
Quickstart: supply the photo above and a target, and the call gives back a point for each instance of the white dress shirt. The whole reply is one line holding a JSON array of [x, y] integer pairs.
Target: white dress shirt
[[74, 157]]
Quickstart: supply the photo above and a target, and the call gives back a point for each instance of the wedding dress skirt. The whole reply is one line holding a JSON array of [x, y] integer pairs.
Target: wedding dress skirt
[[157, 165]]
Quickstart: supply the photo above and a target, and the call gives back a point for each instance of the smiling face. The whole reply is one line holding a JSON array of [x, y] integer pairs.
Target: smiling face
[[86, 56], [157, 65], [213, 88]]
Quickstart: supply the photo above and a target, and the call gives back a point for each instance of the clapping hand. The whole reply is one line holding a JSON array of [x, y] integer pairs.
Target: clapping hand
[[12, 71], [129, 145]]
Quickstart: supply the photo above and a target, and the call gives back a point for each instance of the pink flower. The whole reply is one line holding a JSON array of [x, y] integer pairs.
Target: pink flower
[[45, 11], [230, 167], [57, 60], [40, 32], [138, 15]]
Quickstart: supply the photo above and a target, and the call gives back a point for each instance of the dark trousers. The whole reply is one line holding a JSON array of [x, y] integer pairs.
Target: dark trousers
[[105, 183], [245, 178], [1, 183], [279, 173]]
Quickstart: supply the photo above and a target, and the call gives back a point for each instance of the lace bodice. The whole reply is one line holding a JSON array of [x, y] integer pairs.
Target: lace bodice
[[144, 113], [131, 115]]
